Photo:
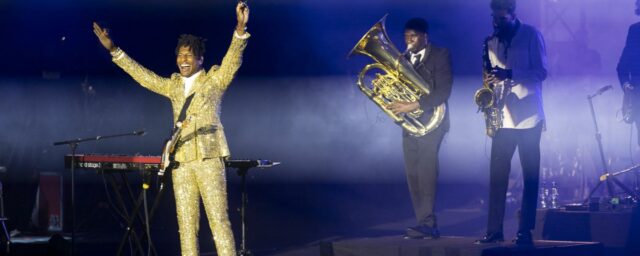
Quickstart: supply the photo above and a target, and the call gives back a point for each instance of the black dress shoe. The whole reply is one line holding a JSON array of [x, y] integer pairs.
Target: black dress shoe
[[490, 238], [523, 238], [421, 232]]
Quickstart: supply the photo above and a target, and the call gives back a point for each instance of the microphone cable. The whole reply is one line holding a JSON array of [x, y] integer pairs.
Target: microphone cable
[[145, 187]]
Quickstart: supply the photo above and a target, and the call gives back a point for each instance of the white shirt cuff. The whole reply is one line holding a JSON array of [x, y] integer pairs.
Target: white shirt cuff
[[245, 36], [117, 54]]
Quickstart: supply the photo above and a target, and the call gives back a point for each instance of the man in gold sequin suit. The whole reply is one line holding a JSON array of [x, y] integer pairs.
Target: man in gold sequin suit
[[203, 147]]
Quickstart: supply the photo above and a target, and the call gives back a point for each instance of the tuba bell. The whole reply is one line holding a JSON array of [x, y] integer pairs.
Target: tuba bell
[[399, 82]]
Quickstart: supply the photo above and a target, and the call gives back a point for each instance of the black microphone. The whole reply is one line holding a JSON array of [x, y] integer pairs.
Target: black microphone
[[604, 89], [140, 133]]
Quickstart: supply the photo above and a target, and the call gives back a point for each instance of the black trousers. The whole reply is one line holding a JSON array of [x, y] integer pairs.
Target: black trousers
[[421, 167], [504, 144]]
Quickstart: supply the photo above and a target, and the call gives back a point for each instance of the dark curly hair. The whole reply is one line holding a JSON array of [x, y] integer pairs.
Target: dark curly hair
[[509, 5], [195, 43], [418, 25]]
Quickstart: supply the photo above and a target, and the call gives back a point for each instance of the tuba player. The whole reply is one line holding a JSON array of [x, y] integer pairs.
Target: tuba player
[[433, 64]]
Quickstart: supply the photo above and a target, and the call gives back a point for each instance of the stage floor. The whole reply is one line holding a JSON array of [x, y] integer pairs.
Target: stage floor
[[454, 246]]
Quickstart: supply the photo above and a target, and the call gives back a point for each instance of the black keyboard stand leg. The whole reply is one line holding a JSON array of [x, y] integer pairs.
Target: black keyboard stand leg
[[130, 230], [242, 172], [132, 217], [156, 202]]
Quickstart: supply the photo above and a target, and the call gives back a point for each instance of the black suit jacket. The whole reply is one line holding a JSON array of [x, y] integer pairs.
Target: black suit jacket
[[435, 69], [629, 64]]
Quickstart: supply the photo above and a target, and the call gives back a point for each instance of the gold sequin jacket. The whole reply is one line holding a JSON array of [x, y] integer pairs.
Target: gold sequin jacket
[[204, 110]]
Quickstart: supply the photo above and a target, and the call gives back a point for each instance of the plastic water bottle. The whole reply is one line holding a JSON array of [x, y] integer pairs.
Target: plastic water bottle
[[544, 195], [554, 195]]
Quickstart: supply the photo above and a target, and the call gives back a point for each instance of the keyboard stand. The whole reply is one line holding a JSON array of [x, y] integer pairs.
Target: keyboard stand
[[135, 214]]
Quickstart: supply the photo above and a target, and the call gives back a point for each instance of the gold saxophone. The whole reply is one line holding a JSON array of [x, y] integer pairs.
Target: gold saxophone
[[400, 82], [491, 97]]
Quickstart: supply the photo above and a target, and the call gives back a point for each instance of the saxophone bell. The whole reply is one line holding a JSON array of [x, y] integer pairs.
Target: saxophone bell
[[484, 98]]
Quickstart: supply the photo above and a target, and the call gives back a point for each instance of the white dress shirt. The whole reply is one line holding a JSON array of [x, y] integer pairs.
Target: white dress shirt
[[189, 81], [526, 58], [414, 56]]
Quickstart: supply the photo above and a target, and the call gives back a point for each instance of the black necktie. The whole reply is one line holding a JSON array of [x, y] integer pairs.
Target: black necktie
[[417, 58]]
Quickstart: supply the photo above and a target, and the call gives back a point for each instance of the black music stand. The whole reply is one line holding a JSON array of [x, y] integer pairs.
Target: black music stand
[[607, 177], [242, 167], [73, 144]]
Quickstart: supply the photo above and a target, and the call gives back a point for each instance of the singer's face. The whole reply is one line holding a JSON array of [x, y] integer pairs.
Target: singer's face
[[502, 19], [187, 62], [415, 40]]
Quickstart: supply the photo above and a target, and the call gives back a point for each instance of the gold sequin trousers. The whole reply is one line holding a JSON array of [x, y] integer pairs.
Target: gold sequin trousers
[[204, 178]]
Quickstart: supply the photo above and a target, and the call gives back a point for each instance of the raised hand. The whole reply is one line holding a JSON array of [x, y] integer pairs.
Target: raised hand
[[103, 36], [242, 14]]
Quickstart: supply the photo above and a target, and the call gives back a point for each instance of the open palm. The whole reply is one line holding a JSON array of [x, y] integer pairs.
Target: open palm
[[103, 36]]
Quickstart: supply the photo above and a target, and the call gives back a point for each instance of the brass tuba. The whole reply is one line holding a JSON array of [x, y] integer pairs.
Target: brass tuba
[[400, 82]]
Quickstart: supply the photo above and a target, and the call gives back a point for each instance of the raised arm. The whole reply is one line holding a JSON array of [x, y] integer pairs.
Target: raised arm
[[233, 58], [142, 75]]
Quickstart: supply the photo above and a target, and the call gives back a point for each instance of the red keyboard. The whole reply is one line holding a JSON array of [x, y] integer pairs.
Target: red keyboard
[[114, 162], [151, 163]]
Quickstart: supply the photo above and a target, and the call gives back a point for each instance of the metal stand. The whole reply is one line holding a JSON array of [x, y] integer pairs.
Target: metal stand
[[242, 172], [132, 217], [243, 167], [161, 185], [73, 144], [607, 177], [3, 220]]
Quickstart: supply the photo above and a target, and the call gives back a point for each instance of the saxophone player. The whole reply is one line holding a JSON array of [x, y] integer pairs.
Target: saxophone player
[[433, 64], [518, 61], [200, 172]]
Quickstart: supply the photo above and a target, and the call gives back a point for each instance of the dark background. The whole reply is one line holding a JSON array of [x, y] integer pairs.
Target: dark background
[[295, 101]]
